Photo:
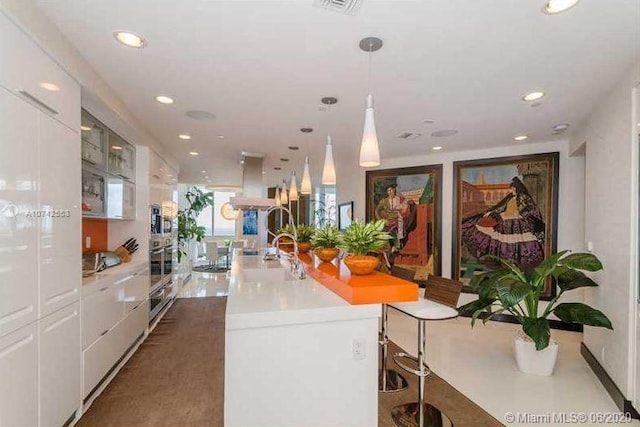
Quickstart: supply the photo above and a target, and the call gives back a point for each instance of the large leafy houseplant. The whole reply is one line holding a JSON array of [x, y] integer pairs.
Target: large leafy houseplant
[[518, 292], [188, 228]]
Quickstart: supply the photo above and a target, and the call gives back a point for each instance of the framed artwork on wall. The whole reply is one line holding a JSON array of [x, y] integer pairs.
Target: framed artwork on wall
[[410, 202], [250, 222], [345, 215], [506, 207]]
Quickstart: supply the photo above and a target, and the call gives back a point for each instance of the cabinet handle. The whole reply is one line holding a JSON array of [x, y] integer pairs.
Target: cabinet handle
[[36, 101], [124, 279], [104, 333], [61, 321]]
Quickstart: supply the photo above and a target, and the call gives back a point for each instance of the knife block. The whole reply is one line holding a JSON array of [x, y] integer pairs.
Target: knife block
[[124, 254]]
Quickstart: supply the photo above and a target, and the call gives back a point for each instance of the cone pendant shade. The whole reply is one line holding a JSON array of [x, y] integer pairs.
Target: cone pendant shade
[[305, 185], [278, 202], [283, 195], [369, 151], [293, 190], [329, 169]]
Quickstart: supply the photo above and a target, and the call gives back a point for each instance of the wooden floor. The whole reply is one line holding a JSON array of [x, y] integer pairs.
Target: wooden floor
[[176, 378]]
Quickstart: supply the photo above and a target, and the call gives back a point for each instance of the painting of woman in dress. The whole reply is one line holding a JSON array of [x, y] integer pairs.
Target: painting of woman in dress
[[505, 207], [512, 229]]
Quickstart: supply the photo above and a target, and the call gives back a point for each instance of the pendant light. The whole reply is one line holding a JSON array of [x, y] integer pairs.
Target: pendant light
[[369, 150], [293, 189], [329, 169], [283, 194], [278, 202], [305, 185]]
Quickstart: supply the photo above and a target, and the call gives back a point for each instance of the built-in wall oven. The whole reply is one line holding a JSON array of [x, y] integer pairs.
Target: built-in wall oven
[[161, 256]]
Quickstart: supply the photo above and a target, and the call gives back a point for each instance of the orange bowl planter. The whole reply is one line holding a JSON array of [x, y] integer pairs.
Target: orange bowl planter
[[326, 254], [361, 265], [304, 247]]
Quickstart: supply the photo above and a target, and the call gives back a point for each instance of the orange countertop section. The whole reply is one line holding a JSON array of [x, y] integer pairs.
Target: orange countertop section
[[374, 288]]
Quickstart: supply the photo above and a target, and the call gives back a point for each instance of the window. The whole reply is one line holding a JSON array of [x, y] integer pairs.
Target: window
[[211, 218]]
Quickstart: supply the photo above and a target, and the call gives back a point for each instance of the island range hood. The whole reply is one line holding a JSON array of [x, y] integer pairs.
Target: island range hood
[[253, 187]]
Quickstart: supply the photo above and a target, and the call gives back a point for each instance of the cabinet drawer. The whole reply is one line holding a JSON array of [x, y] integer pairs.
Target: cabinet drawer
[[100, 312], [60, 354], [19, 377], [27, 71], [136, 290], [104, 353]]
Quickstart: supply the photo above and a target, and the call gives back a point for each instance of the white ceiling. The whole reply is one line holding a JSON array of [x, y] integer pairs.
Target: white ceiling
[[262, 66]]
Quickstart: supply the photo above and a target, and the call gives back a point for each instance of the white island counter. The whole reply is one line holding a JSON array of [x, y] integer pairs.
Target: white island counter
[[296, 354]]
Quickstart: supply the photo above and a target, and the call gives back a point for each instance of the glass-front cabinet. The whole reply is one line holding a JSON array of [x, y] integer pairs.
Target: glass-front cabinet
[[94, 192], [108, 172], [94, 140], [122, 158]]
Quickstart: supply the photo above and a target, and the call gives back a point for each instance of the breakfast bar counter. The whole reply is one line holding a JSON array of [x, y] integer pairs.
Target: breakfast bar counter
[[296, 352]]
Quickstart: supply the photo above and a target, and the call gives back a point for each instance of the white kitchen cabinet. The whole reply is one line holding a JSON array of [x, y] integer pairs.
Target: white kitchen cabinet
[[31, 74], [121, 158], [136, 289], [94, 141], [100, 312], [18, 202], [19, 377], [60, 229], [103, 354], [59, 361]]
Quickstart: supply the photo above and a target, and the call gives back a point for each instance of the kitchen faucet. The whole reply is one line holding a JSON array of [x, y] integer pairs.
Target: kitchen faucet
[[297, 268]]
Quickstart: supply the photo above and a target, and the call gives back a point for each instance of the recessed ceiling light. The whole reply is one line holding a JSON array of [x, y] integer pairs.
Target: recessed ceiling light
[[277, 168], [49, 86], [284, 160], [204, 171], [86, 128], [164, 99], [445, 132], [184, 136], [221, 136], [329, 100], [560, 127], [116, 147], [556, 6], [294, 148], [436, 148], [533, 96], [129, 39], [429, 121], [193, 153], [200, 115], [306, 130], [520, 137], [206, 177]]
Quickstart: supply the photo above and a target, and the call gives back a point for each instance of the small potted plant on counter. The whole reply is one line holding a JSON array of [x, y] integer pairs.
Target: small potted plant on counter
[[361, 238], [517, 292], [305, 234], [325, 243]]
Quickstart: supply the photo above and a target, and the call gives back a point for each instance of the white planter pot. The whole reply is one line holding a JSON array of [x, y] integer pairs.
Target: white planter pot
[[531, 361]]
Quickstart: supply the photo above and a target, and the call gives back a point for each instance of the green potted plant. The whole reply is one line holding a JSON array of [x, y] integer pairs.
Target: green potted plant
[[285, 243], [361, 238], [305, 234], [325, 243], [188, 228], [517, 292]]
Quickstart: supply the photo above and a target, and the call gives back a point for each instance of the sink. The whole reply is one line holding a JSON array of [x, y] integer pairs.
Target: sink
[[265, 275]]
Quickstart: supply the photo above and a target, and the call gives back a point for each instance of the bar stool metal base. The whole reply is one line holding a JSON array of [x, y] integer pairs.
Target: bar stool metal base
[[392, 383], [406, 415]]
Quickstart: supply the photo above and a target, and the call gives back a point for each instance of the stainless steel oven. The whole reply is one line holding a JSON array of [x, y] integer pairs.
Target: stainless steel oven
[[159, 298], [156, 263], [169, 257]]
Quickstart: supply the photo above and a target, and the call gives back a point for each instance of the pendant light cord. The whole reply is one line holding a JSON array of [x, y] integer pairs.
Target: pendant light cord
[[369, 73]]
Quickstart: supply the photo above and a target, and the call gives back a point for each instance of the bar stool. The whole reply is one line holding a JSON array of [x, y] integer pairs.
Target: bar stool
[[439, 303], [390, 380]]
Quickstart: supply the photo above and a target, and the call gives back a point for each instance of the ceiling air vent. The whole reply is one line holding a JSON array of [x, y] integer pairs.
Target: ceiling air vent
[[346, 7], [409, 135]]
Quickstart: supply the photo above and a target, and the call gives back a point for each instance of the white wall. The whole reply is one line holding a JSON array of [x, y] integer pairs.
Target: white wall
[[570, 205], [610, 168]]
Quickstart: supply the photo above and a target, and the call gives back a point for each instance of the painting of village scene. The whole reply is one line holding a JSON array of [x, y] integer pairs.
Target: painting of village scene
[[409, 201], [505, 207]]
